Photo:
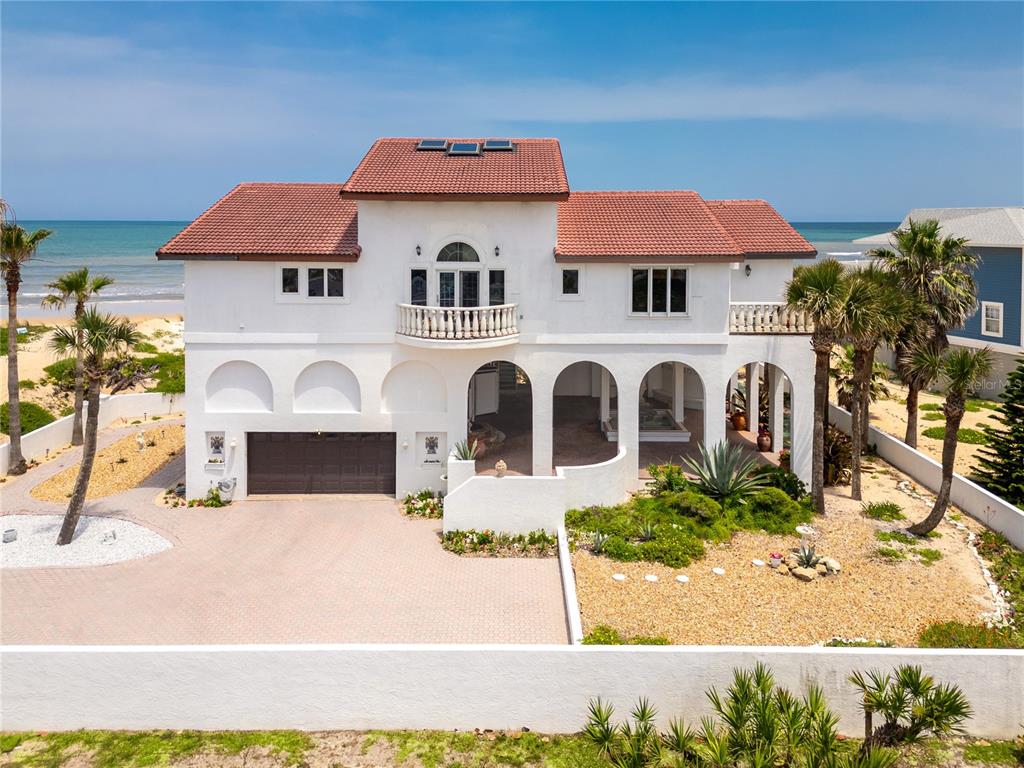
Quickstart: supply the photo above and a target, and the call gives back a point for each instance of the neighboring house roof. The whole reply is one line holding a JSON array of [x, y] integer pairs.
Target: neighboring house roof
[[667, 225], [394, 169], [262, 221], [991, 227]]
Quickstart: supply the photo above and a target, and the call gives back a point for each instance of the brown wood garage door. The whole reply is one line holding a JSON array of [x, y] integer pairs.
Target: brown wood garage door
[[328, 462]]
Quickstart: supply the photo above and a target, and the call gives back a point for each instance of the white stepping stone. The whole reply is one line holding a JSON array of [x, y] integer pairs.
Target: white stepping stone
[[757, 562], [682, 578], [650, 577], [718, 571], [619, 576]]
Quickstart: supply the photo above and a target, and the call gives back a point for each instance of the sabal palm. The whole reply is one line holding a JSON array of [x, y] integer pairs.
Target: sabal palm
[[16, 247], [76, 287], [820, 290], [97, 336], [938, 272], [961, 370]]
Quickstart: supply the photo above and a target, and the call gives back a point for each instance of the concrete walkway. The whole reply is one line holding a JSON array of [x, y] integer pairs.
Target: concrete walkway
[[308, 570]]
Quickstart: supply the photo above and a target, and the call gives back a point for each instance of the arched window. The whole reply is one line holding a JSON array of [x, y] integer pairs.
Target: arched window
[[457, 252]]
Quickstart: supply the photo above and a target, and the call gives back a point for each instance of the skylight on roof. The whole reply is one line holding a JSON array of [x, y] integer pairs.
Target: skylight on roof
[[435, 144], [464, 148], [498, 144]]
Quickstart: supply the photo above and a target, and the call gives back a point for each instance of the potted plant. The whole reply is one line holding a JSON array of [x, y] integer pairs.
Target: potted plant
[[739, 411], [784, 456], [775, 559], [764, 439]]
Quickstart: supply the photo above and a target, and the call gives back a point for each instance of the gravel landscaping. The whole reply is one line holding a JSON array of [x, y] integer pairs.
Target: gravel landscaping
[[752, 604], [98, 541]]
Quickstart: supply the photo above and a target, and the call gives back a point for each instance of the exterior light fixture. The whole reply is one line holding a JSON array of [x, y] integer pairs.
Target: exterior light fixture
[[234, 442], [497, 251], [418, 250], [746, 270]]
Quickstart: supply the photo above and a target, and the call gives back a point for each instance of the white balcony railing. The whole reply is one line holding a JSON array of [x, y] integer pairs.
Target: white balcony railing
[[458, 323], [774, 317]]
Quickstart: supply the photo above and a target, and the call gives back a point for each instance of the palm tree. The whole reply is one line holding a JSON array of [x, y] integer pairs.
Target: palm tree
[[875, 309], [820, 290], [78, 286], [961, 371], [95, 336], [938, 272], [16, 247]]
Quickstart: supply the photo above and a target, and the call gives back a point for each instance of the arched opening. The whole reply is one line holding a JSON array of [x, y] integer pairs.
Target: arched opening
[[759, 408], [672, 413], [414, 387], [584, 406], [239, 387], [500, 417], [326, 387]]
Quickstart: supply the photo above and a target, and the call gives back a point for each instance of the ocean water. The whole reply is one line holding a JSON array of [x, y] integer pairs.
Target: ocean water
[[124, 250]]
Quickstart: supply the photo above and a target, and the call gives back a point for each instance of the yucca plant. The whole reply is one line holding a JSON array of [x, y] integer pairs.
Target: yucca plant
[[806, 556], [466, 450], [725, 474], [648, 532], [597, 542], [911, 704]]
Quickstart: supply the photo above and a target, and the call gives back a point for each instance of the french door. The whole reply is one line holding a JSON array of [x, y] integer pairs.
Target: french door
[[458, 288]]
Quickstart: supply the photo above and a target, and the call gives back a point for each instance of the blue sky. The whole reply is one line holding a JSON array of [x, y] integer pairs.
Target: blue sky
[[831, 111]]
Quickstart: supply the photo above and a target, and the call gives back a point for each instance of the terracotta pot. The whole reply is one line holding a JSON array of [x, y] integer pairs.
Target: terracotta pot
[[764, 442], [739, 421]]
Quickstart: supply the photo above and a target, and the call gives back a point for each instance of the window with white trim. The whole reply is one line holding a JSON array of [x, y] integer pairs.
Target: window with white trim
[[570, 282], [658, 291], [991, 318], [313, 283]]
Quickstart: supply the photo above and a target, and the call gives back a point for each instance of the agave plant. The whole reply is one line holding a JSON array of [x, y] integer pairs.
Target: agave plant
[[806, 557], [466, 450], [648, 532], [912, 704], [725, 474], [597, 542]]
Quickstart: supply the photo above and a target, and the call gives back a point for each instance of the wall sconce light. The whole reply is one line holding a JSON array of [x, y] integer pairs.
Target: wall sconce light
[[418, 250], [746, 270], [234, 442], [497, 251], [405, 445]]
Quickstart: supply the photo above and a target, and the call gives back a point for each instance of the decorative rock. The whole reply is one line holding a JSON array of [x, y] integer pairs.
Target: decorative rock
[[757, 563], [650, 577], [784, 570], [682, 578], [805, 574], [821, 569], [10, 535], [619, 576], [718, 571], [832, 564]]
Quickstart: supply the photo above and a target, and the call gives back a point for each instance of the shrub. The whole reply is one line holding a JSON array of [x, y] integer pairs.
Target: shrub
[[897, 536], [838, 457], [533, 544], [32, 417], [857, 642], [772, 510], [934, 417], [602, 634], [930, 407], [888, 553], [691, 504], [783, 479], [963, 435], [61, 374], [144, 347], [912, 705], [953, 634], [26, 384], [425, 503], [889, 511], [929, 556], [170, 373], [666, 478]]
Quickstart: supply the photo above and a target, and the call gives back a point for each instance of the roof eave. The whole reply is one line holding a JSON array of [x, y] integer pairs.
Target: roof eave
[[659, 258], [476, 197], [349, 257]]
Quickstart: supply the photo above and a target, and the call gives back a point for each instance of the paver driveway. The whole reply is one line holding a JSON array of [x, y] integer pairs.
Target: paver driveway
[[311, 570]]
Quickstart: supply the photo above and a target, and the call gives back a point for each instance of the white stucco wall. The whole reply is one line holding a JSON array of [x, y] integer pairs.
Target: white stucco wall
[[766, 281], [544, 688]]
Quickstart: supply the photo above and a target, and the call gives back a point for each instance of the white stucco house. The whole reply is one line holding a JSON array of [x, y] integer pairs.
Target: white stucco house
[[341, 338]]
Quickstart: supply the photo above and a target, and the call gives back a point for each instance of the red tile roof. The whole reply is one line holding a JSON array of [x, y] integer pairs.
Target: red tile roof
[[394, 169], [759, 229], [272, 221], [661, 226]]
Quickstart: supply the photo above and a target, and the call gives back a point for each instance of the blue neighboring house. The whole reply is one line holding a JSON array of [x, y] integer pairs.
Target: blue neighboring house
[[996, 235]]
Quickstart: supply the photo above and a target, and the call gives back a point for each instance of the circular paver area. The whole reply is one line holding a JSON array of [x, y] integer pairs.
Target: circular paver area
[[98, 541]]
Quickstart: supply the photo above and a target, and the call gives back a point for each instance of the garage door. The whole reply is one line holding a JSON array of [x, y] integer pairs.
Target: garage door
[[326, 462]]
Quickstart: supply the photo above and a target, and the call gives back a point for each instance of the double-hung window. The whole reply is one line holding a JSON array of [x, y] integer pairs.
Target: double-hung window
[[991, 318], [658, 291]]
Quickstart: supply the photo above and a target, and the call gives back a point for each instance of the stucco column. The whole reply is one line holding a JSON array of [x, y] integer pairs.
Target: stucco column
[[714, 413], [606, 394], [628, 418], [678, 398], [753, 396], [543, 423], [776, 389], [801, 399]]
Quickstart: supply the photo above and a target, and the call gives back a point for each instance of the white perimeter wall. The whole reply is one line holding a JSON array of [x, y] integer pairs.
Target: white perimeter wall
[[544, 688], [985, 507], [57, 434]]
